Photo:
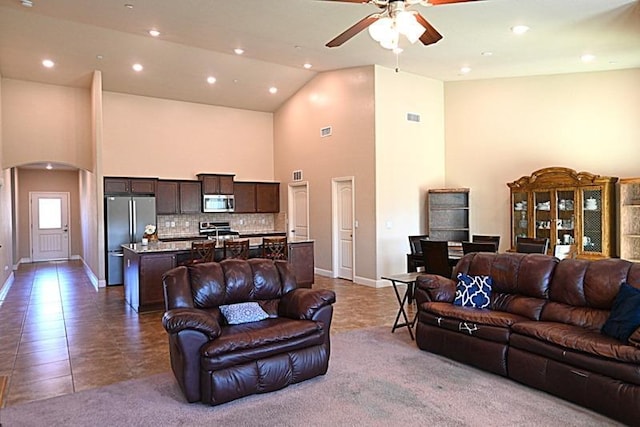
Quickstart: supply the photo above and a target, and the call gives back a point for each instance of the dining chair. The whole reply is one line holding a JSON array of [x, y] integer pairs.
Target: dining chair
[[482, 238], [274, 247], [202, 251], [236, 249], [414, 243], [435, 255], [532, 245], [487, 246]]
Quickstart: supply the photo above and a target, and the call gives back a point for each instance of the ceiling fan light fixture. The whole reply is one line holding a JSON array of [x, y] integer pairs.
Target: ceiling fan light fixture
[[382, 29], [407, 24]]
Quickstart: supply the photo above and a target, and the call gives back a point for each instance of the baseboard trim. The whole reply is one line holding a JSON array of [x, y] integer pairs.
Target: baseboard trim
[[92, 277], [323, 272], [4, 289], [372, 283]]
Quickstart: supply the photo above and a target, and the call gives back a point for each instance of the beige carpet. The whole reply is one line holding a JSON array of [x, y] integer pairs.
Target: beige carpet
[[375, 378]]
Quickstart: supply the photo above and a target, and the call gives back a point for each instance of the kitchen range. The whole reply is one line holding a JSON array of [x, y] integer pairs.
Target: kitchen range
[[218, 231]]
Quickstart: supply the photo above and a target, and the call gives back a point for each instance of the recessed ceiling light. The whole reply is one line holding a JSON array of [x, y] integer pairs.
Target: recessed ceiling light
[[587, 57], [48, 63], [211, 80], [273, 90], [486, 53], [465, 70], [49, 166], [128, 5], [307, 65], [238, 51], [99, 56], [137, 67], [154, 33], [519, 29], [27, 3]]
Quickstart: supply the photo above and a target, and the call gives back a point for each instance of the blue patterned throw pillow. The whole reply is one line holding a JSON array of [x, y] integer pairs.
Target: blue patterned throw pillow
[[473, 291], [243, 312], [624, 317]]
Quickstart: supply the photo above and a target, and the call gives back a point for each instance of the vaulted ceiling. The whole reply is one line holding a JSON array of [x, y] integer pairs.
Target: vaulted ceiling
[[198, 37]]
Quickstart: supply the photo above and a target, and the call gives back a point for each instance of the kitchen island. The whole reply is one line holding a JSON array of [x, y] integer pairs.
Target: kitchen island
[[144, 266]]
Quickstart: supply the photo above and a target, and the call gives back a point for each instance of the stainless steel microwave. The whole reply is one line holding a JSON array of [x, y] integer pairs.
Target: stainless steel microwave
[[217, 203]]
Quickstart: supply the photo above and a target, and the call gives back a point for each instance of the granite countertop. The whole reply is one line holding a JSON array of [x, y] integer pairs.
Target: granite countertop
[[185, 245]]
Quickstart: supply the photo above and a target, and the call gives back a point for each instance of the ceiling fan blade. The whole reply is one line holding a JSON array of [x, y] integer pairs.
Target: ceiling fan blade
[[353, 30], [431, 35], [438, 2]]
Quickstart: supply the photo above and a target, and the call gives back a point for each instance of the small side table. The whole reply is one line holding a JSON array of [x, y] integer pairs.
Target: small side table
[[408, 279]]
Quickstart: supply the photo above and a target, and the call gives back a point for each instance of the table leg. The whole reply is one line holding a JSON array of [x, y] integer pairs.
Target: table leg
[[401, 312]]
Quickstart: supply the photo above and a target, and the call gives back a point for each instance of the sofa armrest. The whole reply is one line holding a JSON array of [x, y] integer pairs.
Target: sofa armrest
[[180, 319], [634, 339], [431, 287], [303, 303]]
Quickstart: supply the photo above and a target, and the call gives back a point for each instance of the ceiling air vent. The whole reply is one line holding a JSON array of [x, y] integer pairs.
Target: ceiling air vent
[[297, 175], [413, 117], [326, 131]]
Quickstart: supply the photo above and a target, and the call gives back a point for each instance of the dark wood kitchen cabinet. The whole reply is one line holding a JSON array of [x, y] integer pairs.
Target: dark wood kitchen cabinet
[[118, 185], [300, 256], [178, 197], [267, 197], [216, 184], [143, 279], [256, 197], [244, 194]]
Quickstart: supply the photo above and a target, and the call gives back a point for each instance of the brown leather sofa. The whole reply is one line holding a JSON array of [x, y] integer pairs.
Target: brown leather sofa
[[216, 362], [542, 327]]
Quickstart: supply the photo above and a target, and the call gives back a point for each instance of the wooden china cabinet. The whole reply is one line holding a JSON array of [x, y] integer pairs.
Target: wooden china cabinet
[[568, 207]]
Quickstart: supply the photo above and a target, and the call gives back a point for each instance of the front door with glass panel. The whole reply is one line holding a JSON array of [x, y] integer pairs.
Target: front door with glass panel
[[49, 226]]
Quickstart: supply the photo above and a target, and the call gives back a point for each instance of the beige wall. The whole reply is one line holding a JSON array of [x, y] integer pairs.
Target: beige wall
[[499, 130], [6, 221], [45, 123], [344, 100], [145, 136], [32, 180], [409, 160]]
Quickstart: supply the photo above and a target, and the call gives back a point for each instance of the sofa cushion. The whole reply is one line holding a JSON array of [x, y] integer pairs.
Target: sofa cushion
[[247, 342], [625, 314], [473, 291], [474, 315], [579, 339], [243, 312]]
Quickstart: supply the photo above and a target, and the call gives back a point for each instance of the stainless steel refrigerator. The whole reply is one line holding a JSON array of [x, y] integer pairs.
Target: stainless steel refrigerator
[[125, 219]]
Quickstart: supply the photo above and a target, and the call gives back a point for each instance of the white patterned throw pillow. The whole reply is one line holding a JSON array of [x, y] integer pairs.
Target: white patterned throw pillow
[[473, 291], [243, 312]]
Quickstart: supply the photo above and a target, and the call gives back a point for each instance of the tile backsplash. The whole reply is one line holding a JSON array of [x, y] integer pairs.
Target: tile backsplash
[[171, 226]]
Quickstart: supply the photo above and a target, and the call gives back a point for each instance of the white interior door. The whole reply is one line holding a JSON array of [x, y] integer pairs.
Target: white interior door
[[298, 211], [343, 221], [49, 226]]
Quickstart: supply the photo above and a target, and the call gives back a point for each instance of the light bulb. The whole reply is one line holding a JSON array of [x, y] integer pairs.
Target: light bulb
[[381, 29]]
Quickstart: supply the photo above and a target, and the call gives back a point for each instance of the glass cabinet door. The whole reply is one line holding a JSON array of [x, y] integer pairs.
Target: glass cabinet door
[[565, 217], [592, 231], [542, 214], [519, 219]]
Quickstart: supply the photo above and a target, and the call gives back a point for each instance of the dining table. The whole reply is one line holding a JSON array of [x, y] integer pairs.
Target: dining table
[[416, 260]]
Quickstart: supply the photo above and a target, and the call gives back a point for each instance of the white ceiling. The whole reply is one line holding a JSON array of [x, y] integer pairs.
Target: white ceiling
[[198, 38]]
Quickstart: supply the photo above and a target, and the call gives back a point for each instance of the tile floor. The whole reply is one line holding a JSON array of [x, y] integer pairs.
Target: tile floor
[[58, 335]]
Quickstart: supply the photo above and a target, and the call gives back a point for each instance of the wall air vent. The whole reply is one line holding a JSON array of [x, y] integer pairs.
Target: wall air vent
[[413, 117], [326, 131], [297, 175]]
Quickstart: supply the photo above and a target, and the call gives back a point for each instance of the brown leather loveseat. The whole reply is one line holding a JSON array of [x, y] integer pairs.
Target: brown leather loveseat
[[542, 327], [279, 338]]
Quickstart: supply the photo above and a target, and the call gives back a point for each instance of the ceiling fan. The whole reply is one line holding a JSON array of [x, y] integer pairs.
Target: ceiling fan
[[394, 19]]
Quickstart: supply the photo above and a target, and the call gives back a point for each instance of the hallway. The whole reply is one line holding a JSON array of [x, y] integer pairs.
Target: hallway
[[58, 335]]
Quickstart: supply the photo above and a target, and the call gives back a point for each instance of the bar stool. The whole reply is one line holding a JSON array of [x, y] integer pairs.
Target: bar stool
[[274, 247], [236, 249], [202, 251]]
